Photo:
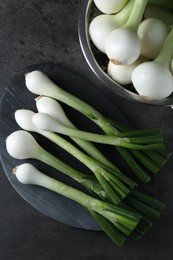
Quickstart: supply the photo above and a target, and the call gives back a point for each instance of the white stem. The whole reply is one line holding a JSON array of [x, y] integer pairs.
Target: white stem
[[28, 174]]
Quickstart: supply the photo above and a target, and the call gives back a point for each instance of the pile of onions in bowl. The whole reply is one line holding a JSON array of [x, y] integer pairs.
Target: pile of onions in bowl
[[139, 48]]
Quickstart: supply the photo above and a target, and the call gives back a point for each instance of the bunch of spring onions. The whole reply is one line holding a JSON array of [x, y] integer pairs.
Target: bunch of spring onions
[[114, 199], [138, 48], [118, 222]]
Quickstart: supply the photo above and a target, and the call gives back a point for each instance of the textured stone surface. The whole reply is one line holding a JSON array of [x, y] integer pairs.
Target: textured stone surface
[[35, 31]]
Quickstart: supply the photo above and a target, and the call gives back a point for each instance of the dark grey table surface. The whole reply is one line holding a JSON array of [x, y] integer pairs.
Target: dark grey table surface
[[35, 31]]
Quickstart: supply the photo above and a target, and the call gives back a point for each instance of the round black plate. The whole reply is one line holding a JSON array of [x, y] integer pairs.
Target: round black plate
[[17, 96]]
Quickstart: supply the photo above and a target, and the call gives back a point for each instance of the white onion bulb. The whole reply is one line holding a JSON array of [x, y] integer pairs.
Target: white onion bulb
[[152, 33], [21, 145], [27, 174], [110, 6], [122, 73], [99, 28], [152, 80], [123, 46]]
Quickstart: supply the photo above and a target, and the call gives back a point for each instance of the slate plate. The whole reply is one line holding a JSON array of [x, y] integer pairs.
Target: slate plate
[[17, 96]]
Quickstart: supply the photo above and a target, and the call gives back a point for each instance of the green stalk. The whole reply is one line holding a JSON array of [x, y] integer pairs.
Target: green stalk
[[136, 15], [159, 158], [99, 172], [157, 205], [144, 160], [151, 214], [126, 144], [144, 205], [142, 133], [165, 153], [104, 139], [119, 126], [145, 139], [144, 224], [152, 160], [71, 100], [122, 16], [122, 219], [166, 52], [93, 152], [117, 236], [139, 172], [141, 229]]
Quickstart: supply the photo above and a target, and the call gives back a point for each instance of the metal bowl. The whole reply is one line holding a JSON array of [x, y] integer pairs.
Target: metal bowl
[[98, 61]]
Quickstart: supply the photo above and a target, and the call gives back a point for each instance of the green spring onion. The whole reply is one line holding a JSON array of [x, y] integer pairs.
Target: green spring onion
[[47, 123], [117, 222]]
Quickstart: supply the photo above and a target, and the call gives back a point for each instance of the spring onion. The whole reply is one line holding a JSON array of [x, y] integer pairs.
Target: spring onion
[[28, 174], [122, 45], [153, 80], [23, 118], [48, 123], [124, 221], [136, 202]]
